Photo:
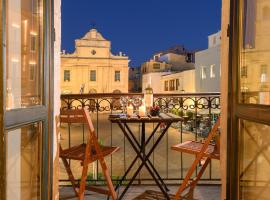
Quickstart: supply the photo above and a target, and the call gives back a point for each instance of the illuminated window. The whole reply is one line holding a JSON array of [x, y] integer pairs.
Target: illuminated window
[[244, 72], [166, 86], [212, 71], [172, 85], [263, 73], [93, 75], [156, 66], [67, 75], [203, 72], [117, 76], [177, 84]]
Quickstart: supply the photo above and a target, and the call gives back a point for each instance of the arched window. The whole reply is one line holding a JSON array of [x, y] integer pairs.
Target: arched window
[[266, 13]]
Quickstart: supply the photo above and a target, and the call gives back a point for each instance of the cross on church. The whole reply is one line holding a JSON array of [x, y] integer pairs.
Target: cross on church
[[93, 25]]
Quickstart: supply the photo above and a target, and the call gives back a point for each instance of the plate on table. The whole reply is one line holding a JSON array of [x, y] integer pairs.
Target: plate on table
[[118, 115]]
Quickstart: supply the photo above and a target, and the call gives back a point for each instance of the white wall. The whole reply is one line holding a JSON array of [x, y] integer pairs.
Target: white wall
[[186, 81], [206, 59], [154, 79], [214, 39]]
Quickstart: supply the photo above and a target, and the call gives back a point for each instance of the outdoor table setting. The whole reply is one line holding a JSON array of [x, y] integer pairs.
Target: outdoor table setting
[[142, 116]]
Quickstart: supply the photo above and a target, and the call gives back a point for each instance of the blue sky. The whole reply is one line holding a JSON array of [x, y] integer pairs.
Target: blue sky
[[142, 27]]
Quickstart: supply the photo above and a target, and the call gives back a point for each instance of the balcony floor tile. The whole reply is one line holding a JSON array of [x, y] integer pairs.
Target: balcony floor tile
[[211, 192]]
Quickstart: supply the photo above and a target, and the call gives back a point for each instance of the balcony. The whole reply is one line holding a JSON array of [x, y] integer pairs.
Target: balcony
[[199, 112]]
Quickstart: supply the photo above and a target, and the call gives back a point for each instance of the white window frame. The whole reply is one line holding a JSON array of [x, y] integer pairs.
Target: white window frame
[[212, 71], [203, 72]]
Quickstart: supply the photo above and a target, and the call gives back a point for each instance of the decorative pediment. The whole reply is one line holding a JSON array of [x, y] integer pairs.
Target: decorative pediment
[[94, 35]]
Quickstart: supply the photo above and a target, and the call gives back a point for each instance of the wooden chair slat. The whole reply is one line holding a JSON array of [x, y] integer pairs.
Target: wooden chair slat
[[73, 119], [193, 147], [78, 152], [72, 112]]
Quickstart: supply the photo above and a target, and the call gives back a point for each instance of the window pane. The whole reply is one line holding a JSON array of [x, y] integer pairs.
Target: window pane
[[24, 61], [254, 161], [255, 53], [117, 76], [92, 75], [23, 163], [67, 75], [212, 71], [203, 72]]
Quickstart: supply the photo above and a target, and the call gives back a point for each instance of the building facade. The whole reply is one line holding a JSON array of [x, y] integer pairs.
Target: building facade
[[175, 59], [169, 62], [181, 82], [92, 68], [154, 80], [207, 66], [134, 79], [153, 66]]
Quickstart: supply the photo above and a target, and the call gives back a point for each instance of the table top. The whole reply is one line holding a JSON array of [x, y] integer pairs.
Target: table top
[[162, 117]]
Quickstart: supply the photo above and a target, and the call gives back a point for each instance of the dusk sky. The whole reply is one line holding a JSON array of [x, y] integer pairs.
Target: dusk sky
[[142, 27]]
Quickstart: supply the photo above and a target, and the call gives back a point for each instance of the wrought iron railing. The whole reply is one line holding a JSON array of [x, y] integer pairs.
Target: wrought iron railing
[[199, 110]]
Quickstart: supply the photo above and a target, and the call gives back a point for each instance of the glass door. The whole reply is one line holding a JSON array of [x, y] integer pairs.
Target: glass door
[[25, 99], [249, 131]]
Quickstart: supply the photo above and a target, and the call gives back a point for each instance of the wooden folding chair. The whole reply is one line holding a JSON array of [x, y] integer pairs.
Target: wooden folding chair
[[86, 153], [204, 152]]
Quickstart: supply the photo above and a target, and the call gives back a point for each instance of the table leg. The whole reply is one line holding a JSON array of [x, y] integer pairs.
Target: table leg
[[133, 162], [146, 143], [144, 160], [143, 140]]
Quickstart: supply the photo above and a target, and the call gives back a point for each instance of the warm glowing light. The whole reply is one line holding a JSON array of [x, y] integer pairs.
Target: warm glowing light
[[14, 60], [32, 63], [130, 110], [33, 33], [15, 25], [25, 31], [142, 111]]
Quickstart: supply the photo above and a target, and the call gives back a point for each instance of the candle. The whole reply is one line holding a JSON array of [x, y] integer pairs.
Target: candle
[[130, 110], [148, 100], [142, 111]]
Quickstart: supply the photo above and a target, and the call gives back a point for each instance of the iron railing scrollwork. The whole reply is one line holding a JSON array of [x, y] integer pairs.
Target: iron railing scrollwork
[[199, 110]]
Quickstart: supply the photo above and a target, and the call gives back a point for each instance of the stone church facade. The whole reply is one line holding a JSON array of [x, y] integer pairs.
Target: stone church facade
[[92, 68]]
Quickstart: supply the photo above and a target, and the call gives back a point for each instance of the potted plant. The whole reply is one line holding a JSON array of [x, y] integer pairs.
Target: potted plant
[[154, 111]]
